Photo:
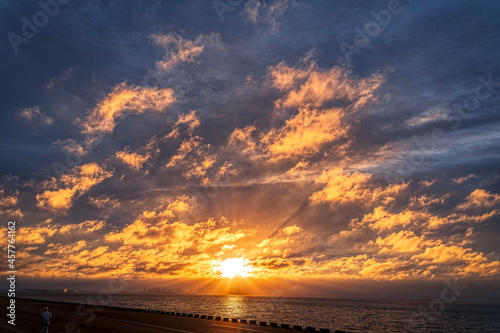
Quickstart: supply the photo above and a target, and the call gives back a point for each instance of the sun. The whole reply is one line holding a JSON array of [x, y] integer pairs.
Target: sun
[[234, 267]]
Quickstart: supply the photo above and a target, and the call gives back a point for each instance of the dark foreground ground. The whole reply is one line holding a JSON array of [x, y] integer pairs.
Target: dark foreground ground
[[67, 319]]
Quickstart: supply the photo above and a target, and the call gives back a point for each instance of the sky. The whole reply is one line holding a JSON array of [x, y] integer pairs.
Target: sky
[[346, 146]]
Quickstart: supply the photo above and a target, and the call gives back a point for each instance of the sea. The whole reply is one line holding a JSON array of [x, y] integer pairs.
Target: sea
[[352, 315]]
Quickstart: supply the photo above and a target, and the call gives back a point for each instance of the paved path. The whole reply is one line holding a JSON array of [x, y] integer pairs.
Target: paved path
[[89, 320]]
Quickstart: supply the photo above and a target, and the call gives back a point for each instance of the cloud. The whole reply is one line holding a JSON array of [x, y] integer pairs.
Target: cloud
[[159, 243], [286, 241], [293, 229], [136, 159], [388, 243], [161, 230], [404, 254], [47, 231], [267, 12], [311, 125], [59, 249], [198, 169], [122, 101], [401, 242], [35, 235], [428, 152], [103, 201], [60, 193], [34, 113], [356, 187], [82, 228], [244, 141], [8, 200], [72, 147], [29, 113], [394, 255], [306, 133], [429, 116], [314, 87], [429, 200], [462, 180], [132, 159], [480, 198], [179, 50], [464, 261], [418, 217], [190, 121], [468, 219], [63, 76], [382, 220], [187, 147], [9, 204], [193, 156]]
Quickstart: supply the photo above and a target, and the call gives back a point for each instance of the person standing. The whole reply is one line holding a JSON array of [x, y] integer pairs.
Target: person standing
[[46, 320]]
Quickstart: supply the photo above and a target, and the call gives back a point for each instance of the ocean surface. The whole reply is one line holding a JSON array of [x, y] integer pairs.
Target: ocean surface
[[341, 314]]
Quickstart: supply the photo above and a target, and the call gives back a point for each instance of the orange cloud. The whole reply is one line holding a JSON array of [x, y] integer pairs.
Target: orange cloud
[[243, 141], [186, 147], [342, 187], [462, 180], [43, 232], [312, 125], [136, 159], [480, 199], [132, 159], [284, 242], [465, 218], [381, 220], [179, 50], [428, 200], [122, 101], [314, 87], [82, 228], [409, 232], [190, 120], [35, 235], [56, 201], [306, 133], [59, 197], [8, 205], [174, 237], [102, 201], [194, 157], [400, 242], [8, 200]]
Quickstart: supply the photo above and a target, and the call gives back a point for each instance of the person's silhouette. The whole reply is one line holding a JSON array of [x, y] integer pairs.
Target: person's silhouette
[[46, 319]]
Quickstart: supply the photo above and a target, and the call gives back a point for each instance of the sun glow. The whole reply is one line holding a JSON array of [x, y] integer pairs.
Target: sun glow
[[234, 267]]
